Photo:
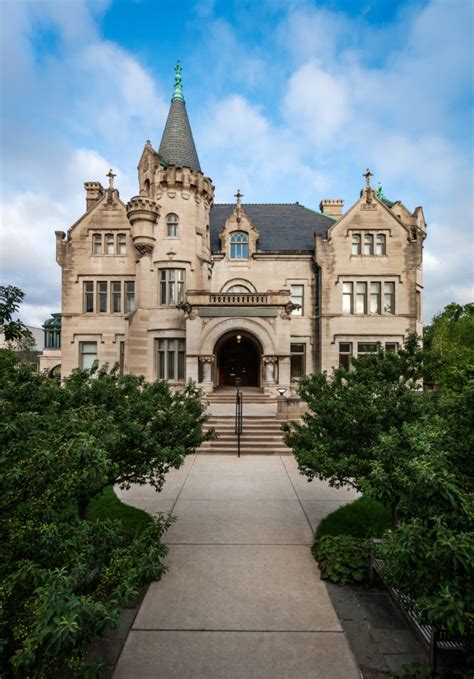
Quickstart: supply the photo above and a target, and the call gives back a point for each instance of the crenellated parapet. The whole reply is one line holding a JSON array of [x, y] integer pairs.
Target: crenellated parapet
[[183, 182], [142, 213]]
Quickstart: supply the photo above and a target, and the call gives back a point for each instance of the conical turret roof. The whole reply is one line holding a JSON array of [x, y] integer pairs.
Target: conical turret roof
[[177, 143]]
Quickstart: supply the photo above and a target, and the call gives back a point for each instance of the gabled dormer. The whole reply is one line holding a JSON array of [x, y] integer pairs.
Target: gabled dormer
[[239, 236]]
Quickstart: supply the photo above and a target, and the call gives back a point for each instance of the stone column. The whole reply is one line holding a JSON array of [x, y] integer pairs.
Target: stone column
[[271, 371], [207, 383]]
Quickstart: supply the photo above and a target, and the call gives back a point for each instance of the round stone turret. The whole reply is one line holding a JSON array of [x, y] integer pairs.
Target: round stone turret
[[142, 213]]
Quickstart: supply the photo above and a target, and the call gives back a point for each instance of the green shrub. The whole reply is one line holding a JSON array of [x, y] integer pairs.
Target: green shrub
[[342, 558], [363, 518]]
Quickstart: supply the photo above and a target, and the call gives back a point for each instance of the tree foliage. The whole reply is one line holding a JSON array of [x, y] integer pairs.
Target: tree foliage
[[64, 579], [10, 301]]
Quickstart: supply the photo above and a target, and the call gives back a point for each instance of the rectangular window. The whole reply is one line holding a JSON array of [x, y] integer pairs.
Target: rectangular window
[[345, 354], [97, 244], [116, 297], [89, 297], [367, 347], [380, 248], [122, 357], [87, 354], [347, 297], [171, 359], [356, 244], [129, 296], [368, 244], [102, 297], [121, 244], [171, 286], [298, 352], [389, 298], [375, 301], [361, 298], [109, 244], [391, 346], [297, 297]]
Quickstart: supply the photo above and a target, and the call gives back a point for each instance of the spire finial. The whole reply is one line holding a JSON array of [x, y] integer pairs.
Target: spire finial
[[367, 176], [111, 176], [238, 196], [178, 83]]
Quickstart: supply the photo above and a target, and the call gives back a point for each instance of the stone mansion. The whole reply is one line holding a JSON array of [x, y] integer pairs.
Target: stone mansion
[[173, 286]]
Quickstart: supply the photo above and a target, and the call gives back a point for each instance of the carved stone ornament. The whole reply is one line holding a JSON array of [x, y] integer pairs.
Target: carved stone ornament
[[270, 359], [188, 310], [206, 359], [144, 248], [288, 310]]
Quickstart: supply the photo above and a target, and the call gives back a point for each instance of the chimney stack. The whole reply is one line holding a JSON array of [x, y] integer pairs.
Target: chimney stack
[[94, 192], [332, 207]]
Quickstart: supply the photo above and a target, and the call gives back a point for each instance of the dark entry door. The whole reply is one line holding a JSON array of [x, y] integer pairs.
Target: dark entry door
[[239, 359]]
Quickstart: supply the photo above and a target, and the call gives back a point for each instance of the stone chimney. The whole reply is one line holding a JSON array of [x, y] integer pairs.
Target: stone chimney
[[94, 192], [332, 207]]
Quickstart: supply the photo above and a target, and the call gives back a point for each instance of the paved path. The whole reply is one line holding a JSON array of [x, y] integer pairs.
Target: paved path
[[242, 597]]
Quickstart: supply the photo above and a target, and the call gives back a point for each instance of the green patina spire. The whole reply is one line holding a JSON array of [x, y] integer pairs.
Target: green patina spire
[[178, 84], [381, 196]]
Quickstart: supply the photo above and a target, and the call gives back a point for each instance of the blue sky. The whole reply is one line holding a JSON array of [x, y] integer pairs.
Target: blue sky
[[288, 100]]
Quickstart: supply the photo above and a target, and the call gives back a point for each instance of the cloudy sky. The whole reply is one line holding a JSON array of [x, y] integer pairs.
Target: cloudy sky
[[289, 100]]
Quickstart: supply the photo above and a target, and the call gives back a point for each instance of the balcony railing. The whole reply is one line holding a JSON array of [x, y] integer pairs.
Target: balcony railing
[[238, 298]]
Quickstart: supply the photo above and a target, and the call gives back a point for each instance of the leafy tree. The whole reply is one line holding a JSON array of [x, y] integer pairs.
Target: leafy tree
[[449, 344], [348, 412], [10, 301], [64, 579]]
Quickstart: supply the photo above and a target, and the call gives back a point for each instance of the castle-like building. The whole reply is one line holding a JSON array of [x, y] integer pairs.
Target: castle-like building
[[173, 286]]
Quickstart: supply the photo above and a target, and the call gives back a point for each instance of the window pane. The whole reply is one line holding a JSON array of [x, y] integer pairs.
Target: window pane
[[97, 247], [389, 298], [163, 293], [88, 353], [171, 293], [161, 365], [361, 297], [297, 365], [171, 355], [102, 293], [380, 244], [367, 347], [347, 289], [130, 288], [238, 288], [88, 296], [345, 361], [391, 346], [297, 292], [375, 298], [297, 348], [181, 366], [116, 297], [356, 243], [345, 347], [109, 244], [368, 244], [239, 245], [121, 244]]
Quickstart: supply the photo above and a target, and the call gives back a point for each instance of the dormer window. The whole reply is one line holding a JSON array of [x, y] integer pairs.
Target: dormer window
[[172, 225], [239, 245]]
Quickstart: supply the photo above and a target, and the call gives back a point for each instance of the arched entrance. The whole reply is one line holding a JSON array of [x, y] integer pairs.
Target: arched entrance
[[238, 354]]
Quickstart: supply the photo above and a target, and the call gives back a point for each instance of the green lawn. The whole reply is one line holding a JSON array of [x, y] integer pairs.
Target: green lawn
[[363, 518], [108, 506]]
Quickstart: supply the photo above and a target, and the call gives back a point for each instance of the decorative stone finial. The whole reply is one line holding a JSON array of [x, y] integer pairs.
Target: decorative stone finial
[[111, 176], [178, 83], [238, 196], [367, 176]]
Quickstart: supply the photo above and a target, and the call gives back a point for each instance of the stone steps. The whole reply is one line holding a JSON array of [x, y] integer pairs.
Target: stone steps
[[261, 435]]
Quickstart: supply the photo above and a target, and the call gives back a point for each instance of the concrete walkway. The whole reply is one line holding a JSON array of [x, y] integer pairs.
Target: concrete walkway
[[242, 597]]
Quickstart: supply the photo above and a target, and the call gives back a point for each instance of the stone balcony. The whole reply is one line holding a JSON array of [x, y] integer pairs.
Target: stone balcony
[[270, 298]]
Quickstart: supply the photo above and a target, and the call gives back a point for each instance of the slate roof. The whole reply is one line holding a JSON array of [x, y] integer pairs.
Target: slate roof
[[283, 227], [177, 143]]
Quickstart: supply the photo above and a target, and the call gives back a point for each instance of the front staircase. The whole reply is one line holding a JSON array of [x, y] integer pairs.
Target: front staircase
[[261, 433]]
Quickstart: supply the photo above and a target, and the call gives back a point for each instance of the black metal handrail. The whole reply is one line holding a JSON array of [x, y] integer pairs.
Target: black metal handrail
[[238, 414]]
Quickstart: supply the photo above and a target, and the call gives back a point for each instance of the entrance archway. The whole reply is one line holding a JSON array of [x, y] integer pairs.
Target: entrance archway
[[238, 355]]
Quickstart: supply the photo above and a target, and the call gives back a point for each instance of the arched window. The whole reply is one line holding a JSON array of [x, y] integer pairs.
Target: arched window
[[146, 187], [109, 244], [368, 244], [356, 244], [380, 244], [172, 225], [97, 244], [238, 288], [121, 244], [239, 245]]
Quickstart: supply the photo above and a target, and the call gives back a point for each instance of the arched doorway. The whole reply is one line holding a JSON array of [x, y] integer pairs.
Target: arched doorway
[[238, 355]]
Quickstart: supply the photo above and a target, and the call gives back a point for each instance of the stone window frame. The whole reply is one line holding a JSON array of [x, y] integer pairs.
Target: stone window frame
[[83, 353], [91, 293], [174, 223], [238, 242], [356, 290], [117, 239], [173, 357], [378, 240], [301, 354], [165, 284]]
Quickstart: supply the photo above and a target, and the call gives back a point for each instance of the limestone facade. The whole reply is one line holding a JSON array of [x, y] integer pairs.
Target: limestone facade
[[169, 285]]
